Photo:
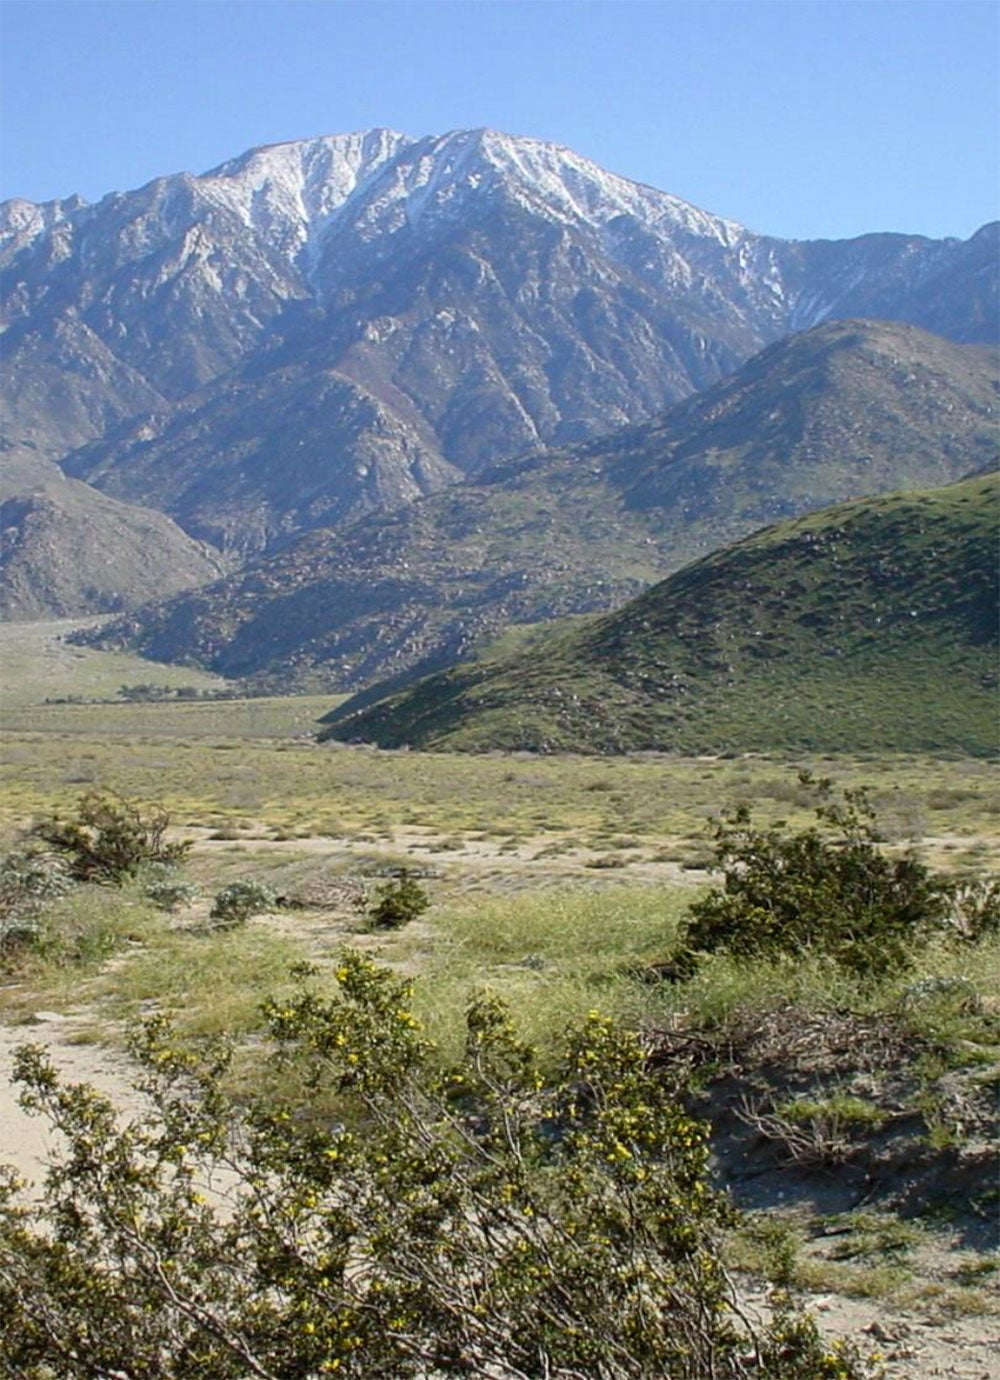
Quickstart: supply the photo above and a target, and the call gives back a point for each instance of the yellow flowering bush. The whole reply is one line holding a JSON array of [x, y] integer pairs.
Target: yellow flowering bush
[[492, 1218]]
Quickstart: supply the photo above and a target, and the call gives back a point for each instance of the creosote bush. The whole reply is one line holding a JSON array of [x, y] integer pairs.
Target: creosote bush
[[398, 902], [399, 1219], [110, 839], [826, 889]]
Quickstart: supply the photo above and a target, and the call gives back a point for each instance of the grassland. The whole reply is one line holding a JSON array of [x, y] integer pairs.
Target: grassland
[[556, 882], [248, 783], [209, 767], [37, 663]]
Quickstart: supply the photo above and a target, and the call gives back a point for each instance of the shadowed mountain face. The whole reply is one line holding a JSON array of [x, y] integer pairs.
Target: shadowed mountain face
[[66, 549], [869, 626], [318, 330], [847, 409]]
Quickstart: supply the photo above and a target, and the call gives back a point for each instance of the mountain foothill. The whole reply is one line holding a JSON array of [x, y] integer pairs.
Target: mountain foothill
[[346, 410]]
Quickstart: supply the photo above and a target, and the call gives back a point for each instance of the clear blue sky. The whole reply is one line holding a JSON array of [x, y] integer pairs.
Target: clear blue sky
[[804, 119]]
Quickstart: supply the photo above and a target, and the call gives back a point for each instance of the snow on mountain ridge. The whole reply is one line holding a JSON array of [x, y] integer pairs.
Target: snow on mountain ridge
[[582, 190], [305, 179], [305, 204]]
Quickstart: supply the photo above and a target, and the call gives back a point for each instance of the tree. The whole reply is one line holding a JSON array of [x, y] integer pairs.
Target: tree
[[401, 1219]]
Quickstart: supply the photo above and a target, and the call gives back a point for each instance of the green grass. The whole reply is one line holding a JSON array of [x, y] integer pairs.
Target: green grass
[[206, 983], [295, 787], [36, 662], [80, 933], [552, 956]]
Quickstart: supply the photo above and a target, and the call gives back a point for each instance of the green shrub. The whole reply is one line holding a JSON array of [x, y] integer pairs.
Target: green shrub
[[826, 889], [170, 893], [28, 883], [478, 1219], [237, 902], [110, 839], [398, 902]]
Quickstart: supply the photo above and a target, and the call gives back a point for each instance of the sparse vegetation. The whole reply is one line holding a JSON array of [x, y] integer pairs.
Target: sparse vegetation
[[871, 622], [109, 839], [238, 902], [483, 1218], [905, 1060]]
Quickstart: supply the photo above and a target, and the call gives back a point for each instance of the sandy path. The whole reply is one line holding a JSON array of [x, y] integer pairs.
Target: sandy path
[[528, 859], [26, 1141]]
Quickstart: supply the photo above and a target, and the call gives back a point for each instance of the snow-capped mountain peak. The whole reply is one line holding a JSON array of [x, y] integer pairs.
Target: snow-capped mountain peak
[[304, 179], [489, 290]]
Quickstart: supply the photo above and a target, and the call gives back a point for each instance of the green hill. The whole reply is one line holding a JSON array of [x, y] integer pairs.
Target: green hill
[[868, 626]]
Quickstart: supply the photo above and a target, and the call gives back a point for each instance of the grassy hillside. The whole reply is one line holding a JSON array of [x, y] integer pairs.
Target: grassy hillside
[[869, 626]]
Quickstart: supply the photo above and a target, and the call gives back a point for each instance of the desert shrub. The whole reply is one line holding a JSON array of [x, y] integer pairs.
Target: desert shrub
[[237, 902], [973, 907], [28, 883], [481, 1219], [110, 838], [170, 893], [398, 902], [827, 888]]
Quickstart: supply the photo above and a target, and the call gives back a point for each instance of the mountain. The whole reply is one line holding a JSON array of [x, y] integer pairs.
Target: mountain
[[869, 626], [317, 330], [846, 409], [66, 549]]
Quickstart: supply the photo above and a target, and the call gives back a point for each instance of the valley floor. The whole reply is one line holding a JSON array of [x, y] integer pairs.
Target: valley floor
[[553, 881]]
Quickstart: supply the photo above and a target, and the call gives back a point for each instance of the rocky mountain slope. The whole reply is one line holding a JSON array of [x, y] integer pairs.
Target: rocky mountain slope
[[67, 550], [869, 626], [318, 329], [846, 409]]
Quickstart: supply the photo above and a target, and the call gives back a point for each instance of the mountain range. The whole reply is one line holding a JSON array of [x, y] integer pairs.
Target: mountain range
[[67, 549], [846, 409], [283, 356]]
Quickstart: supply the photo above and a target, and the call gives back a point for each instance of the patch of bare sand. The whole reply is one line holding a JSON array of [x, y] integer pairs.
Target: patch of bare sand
[[543, 858], [910, 1344], [27, 1142]]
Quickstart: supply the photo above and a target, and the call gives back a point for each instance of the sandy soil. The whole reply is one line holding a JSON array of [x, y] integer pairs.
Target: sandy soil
[[26, 1141]]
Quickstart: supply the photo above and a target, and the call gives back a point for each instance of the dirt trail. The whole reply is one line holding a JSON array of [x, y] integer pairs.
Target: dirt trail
[[26, 1141]]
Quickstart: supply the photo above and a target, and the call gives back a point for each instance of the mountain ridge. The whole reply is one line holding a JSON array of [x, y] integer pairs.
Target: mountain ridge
[[848, 408], [322, 329], [218, 259], [870, 625]]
